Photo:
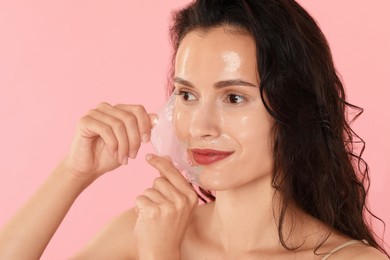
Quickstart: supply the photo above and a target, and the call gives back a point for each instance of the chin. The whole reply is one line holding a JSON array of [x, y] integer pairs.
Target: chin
[[209, 183], [217, 182]]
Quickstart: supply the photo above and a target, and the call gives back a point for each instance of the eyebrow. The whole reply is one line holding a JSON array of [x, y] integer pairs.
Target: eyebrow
[[219, 84]]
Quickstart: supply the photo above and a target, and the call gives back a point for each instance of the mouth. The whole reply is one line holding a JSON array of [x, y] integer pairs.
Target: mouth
[[209, 156]]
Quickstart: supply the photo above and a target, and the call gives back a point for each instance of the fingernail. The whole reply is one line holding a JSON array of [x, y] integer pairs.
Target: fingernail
[[145, 138], [125, 161], [148, 156], [154, 120], [133, 155]]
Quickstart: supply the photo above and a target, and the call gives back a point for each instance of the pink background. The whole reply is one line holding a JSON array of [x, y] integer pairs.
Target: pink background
[[60, 58]]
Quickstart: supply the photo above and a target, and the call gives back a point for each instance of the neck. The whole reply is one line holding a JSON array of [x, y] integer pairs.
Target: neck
[[246, 217]]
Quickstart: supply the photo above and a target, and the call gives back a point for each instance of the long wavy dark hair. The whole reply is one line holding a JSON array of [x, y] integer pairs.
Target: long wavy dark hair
[[318, 164]]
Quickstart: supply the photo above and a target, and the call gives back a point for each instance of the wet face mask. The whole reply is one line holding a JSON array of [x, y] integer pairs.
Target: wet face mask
[[166, 143]]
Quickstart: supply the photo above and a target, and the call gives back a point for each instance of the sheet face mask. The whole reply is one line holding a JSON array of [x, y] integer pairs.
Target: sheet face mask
[[165, 142]]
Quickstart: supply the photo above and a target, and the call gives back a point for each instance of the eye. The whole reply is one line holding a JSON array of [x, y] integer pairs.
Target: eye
[[187, 96], [235, 98]]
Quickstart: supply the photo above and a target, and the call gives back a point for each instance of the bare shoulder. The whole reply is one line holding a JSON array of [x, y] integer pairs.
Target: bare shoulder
[[368, 252], [359, 251], [114, 241]]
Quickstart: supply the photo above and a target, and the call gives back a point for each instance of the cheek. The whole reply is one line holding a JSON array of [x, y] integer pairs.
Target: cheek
[[250, 127], [252, 133], [181, 122]]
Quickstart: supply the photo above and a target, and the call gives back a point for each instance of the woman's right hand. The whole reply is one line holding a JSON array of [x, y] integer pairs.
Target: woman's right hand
[[106, 137]]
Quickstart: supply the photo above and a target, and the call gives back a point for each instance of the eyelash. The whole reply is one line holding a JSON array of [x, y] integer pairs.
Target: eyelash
[[236, 95], [182, 93]]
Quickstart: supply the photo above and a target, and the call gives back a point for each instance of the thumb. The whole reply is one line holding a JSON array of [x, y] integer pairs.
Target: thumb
[[153, 119]]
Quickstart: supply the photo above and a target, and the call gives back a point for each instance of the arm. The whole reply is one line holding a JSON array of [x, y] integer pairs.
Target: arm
[[114, 241], [154, 229], [27, 234], [104, 140]]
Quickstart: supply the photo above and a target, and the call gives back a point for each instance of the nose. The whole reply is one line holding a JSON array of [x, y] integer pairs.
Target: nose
[[206, 121]]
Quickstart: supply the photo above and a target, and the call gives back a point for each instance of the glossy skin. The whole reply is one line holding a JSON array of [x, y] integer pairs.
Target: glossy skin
[[166, 222], [241, 223], [220, 108]]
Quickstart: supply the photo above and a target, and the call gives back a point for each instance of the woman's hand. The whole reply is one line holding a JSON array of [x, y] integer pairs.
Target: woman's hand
[[106, 137], [164, 212]]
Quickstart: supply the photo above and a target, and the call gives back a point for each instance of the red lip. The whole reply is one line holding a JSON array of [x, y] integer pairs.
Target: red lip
[[208, 156]]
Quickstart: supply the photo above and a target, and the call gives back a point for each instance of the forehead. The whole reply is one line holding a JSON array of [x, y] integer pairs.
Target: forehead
[[217, 39], [215, 50]]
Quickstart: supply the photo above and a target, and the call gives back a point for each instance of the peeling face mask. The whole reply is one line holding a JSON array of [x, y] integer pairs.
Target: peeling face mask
[[166, 143]]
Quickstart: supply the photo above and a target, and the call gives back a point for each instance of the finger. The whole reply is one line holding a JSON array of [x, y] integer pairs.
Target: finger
[[171, 193], [144, 124], [134, 135], [131, 123], [169, 171], [145, 121], [153, 119], [146, 207], [166, 189], [91, 128], [155, 196], [119, 129]]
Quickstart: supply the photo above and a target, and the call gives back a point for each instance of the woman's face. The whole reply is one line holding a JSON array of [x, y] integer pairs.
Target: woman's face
[[219, 114]]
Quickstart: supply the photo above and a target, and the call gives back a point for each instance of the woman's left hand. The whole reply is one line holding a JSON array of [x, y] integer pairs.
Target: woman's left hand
[[164, 212]]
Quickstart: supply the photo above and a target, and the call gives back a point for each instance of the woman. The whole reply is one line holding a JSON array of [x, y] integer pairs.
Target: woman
[[261, 111]]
